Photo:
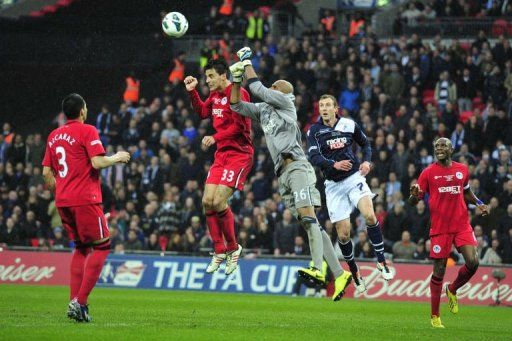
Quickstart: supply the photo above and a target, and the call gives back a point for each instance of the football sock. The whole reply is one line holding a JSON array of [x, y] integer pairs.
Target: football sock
[[77, 270], [215, 232], [375, 235], [436, 286], [330, 255], [227, 224], [92, 271], [347, 250], [316, 248], [463, 277]]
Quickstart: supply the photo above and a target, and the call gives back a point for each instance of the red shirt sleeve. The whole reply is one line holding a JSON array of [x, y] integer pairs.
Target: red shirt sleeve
[[240, 123], [92, 142], [203, 109], [47, 160], [466, 177], [423, 182]]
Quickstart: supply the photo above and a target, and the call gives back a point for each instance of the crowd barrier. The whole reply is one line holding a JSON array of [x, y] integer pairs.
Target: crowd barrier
[[263, 276]]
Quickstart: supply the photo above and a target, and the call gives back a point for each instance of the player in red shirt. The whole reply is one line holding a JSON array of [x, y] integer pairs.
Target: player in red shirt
[[74, 154], [447, 184], [233, 160]]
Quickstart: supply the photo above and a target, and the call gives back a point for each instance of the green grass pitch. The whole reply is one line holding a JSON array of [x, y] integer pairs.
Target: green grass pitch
[[38, 313]]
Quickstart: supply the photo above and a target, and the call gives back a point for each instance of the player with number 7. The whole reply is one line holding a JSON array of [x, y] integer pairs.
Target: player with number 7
[[330, 147]]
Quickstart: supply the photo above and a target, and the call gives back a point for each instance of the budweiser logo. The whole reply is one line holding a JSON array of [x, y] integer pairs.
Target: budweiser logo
[[481, 287], [20, 272]]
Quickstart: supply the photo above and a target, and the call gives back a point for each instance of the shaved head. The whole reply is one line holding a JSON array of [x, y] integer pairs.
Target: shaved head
[[283, 86], [443, 140]]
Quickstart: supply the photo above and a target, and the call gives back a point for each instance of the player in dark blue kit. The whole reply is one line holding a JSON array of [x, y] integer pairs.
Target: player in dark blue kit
[[330, 147]]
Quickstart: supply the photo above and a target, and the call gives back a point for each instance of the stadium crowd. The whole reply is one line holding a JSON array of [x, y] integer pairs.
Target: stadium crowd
[[404, 93]]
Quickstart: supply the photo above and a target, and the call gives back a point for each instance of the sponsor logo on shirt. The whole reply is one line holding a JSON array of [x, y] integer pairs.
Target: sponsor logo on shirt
[[269, 126], [217, 113], [450, 189], [337, 143]]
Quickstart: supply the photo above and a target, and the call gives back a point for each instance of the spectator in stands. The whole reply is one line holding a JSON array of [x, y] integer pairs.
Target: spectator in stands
[[405, 248], [446, 91], [284, 234], [492, 254]]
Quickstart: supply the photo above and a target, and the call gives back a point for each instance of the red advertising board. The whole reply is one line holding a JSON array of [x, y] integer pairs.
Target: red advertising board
[[46, 268], [412, 283]]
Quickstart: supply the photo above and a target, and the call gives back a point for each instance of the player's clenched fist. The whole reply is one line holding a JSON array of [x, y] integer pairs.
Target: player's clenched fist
[[237, 71], [244, 53], [190, 83], [208, 141], [416, 190], [122, 157]]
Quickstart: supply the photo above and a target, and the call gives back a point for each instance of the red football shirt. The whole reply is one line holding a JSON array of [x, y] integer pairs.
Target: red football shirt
[[445, 186], [69, 150], [233, 130]]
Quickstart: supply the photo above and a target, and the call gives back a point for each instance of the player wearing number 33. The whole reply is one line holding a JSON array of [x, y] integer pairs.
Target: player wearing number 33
[[330, 143], [297, 180], [74, 154], [233, 161]]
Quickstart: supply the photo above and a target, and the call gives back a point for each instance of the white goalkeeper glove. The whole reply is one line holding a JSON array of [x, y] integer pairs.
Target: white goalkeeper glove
[[245, 54], [237, 72]]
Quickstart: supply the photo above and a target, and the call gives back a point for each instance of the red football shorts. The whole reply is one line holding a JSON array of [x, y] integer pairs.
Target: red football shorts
[[230, 169], [441, 244], [84, 223]]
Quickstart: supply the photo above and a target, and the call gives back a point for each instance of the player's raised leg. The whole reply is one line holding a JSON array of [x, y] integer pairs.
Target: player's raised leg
[[212, 221], [343, 228], [465, 273], [365, 206], [436, 286]]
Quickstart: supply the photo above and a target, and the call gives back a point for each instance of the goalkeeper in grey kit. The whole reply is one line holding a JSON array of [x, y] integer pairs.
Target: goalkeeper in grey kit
[[297, 179]]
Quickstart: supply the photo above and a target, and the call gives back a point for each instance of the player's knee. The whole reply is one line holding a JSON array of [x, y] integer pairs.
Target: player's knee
[[370, 218], [344, 236], [473, 263], [219, 204], [439, 269], [207, 203], [306, 222]]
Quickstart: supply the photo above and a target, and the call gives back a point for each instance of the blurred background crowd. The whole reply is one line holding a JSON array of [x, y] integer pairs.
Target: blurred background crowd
[[404, 91]]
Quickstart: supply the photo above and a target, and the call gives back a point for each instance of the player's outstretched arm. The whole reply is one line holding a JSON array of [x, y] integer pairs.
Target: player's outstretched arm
[[236, 102], [49, 178], [101, 161], [273, 97], [471, 198]]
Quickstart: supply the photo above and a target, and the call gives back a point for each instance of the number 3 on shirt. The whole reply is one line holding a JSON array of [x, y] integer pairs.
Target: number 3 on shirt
[[62, 161], [227, 175]]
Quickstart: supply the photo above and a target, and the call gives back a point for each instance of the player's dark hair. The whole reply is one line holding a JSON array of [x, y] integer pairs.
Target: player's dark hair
[[72, 104], [334, 101], [219, 65]]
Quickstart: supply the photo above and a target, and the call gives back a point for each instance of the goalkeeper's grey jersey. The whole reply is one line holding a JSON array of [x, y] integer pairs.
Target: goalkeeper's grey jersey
[[278, 118]]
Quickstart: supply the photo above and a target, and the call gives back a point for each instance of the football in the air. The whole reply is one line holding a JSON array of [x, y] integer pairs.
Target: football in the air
[[175, 24]]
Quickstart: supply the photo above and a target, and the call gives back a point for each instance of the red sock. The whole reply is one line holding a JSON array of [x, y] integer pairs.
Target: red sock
[[93, 267], [227, 223], [77, 270], [463, 277], [215, 232], [436, 286]]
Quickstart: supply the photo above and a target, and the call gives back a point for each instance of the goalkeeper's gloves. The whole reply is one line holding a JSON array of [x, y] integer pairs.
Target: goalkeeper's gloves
[[237, 72], [245, 54]]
